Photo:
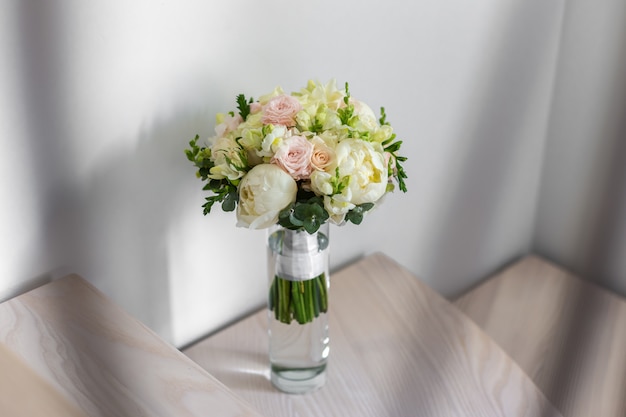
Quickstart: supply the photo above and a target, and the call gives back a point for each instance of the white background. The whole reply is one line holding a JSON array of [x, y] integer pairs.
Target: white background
[[510, 112]]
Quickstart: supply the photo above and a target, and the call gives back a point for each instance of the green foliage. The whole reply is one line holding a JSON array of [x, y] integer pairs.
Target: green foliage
[[308, 215], [345, 114], [393, 146], [223, 191], [383, 117], [243, 106], [400, 173], [317, 125], [338, 183], [356, 214], [201, 158]]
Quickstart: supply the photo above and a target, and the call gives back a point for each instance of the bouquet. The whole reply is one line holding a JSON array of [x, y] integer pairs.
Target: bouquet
[[299, 160]]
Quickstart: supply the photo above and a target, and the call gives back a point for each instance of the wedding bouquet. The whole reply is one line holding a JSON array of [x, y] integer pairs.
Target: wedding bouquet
[[299, 160]]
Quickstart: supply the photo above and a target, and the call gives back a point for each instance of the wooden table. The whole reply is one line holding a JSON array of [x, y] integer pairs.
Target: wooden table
[[568, 334], [397, 349], [66, 350]]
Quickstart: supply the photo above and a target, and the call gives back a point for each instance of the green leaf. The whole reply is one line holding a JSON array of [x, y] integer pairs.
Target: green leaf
[[243, 106], [366, 206], [230, 201], [383, 117], [356, 214], [394, 147], [308, 216], [294, 220], [400, 177]]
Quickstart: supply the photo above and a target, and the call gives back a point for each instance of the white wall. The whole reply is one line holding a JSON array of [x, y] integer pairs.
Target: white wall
[[99, 99], [581, 221]]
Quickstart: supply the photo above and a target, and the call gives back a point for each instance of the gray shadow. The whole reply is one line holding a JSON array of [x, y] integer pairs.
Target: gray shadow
[[608, 211], [110, 227], [598, 253], [496, 133]]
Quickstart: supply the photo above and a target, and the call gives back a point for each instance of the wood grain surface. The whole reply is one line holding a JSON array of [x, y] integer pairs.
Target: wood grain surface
[[23, 393], [397, 349], [98, 360], [568, 334]]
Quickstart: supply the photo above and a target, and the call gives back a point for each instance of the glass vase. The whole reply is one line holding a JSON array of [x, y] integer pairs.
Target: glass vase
[[297, 308]]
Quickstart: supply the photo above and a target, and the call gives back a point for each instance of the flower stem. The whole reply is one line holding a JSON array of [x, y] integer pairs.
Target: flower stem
[[301, 301]]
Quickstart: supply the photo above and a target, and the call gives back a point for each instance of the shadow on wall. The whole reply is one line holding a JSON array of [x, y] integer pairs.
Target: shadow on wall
[[581, 221], [603, 259], [122, 217], [110, 224], [502, 137], [496, 133], [601, 243]]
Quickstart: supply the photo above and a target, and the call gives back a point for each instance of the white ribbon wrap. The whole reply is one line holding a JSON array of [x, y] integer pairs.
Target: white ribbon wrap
[[301, 257]]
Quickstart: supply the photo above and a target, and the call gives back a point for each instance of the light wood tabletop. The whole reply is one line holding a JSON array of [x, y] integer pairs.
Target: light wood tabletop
[[568, 334], [23, 393], [66, 350], [397, 349]]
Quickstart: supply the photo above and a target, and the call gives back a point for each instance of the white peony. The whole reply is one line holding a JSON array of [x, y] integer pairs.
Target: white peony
[[364, 163], [263, 193]]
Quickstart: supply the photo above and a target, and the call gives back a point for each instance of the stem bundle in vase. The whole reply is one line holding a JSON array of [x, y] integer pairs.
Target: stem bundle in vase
[[298, 300]]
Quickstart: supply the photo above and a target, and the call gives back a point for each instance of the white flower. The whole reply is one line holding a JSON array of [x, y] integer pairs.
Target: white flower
[[272, 141], [382, 133], [228, 158], [338, 206], [316, 92], [263, 193], [364, 163], [321, 183], [366, 117]]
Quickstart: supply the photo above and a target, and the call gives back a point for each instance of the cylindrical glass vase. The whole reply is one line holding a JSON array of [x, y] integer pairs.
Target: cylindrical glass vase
[[297, 308]]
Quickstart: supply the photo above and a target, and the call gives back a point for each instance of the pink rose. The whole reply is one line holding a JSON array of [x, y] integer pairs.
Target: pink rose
[[294, 157], [281, 110]]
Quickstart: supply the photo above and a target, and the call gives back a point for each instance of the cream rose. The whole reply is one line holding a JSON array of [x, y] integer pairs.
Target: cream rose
[[281, 110], [294, 157], [323, 156], [263, 193], [364, 163]]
